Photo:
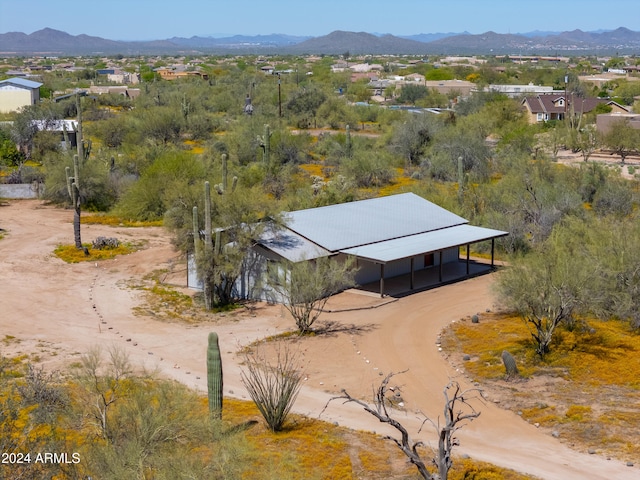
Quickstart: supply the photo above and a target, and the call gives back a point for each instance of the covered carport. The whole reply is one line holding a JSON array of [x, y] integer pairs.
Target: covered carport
[[434, 242]]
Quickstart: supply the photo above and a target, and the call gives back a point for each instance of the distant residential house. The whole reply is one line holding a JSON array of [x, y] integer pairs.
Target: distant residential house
[[117, 75], [605, 121], [414, 77], [16, 93], [544, 108], [519, 90], [365, 67], [174, 73], [339, 67], [115, 89], [60, 127], [461, 87]]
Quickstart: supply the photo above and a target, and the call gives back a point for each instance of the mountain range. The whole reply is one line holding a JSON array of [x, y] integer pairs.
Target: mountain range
[[52, 42]]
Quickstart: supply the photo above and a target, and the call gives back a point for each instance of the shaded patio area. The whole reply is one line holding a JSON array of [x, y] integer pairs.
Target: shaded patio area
[[425, 279]]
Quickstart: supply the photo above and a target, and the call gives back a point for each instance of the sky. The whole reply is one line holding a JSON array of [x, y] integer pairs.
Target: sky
[[162, 19]]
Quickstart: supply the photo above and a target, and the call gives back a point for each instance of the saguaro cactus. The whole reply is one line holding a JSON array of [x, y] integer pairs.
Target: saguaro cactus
[[73, 188], [510, 364], [214, 376], [265, 143], [206, 282], [221, 188]]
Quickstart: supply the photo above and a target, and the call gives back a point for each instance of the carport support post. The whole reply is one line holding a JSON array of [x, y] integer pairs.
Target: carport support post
[[411, 281], [381, 280], [493, 246], [468, 259], [440, 267]]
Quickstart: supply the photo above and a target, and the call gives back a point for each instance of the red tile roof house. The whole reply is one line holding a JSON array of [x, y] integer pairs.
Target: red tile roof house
[[542, 108]]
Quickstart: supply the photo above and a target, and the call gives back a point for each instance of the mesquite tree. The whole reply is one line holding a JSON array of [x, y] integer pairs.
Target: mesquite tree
[[458, 411]]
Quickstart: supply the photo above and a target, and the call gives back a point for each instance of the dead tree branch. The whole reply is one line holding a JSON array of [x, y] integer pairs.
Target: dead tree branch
[[458, 411]]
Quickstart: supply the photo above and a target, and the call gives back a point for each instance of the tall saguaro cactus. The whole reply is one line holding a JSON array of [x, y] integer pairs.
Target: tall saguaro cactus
[[73, 182], [206, 283], [214, 376], [207, 256], [221, 188], [73, 188]]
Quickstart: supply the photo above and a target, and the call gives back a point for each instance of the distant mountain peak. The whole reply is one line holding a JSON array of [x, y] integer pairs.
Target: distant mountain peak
[[51, 41]]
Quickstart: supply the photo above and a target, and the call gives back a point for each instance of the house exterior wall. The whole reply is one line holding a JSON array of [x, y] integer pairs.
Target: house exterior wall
[[369, 272], [252, 283], [13, 98], [22, 190]]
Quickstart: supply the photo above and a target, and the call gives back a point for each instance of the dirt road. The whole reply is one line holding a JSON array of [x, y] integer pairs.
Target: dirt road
[[58, 311]]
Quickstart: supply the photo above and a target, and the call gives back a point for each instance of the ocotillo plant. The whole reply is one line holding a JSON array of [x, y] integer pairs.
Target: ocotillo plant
[[214, 376]]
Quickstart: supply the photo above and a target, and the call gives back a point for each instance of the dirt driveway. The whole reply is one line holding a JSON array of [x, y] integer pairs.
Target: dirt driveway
[[57, 311]]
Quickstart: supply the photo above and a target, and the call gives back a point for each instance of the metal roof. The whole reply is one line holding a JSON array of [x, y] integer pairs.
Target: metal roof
[[348, 225], [21, 82], [290, 245], [399, 248]]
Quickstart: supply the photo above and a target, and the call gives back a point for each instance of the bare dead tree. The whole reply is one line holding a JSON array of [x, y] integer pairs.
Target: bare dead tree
[[458, 411]]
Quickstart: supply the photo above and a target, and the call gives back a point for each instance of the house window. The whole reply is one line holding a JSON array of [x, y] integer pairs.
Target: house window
[[428, 260], [540, 117]]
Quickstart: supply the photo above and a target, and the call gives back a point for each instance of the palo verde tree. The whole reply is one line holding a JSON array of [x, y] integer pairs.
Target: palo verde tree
[[458, 411], [104, 383], [305, 286], [622, 139], [546, 288]]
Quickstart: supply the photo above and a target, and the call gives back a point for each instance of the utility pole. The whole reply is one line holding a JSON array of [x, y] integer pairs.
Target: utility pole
[[566, 100], [279, 98]]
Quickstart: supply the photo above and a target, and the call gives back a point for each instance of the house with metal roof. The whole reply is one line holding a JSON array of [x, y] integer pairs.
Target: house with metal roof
[[17, 92], [393, 237]]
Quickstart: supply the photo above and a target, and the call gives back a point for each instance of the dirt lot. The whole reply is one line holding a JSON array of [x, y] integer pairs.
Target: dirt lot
[[56, 311]]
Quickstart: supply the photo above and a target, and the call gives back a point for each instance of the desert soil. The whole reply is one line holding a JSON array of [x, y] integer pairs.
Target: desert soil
[[57, 311]]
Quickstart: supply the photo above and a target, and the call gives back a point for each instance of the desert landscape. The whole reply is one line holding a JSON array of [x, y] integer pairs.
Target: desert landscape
[[54, 312]]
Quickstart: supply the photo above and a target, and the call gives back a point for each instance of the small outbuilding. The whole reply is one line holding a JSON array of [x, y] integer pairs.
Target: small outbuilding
[[17, 92]]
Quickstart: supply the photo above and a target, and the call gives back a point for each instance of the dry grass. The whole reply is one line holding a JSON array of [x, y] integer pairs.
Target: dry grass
[[400, 184], [585, 391], [112, 220], [312, 449]]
